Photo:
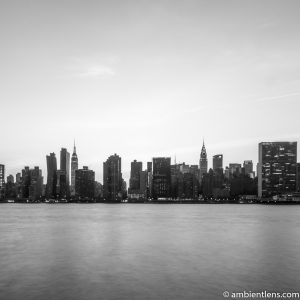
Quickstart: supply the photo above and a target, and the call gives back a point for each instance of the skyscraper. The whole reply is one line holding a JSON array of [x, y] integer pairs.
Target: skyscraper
[[217, 162], [248, 167], [277, 169], [161, 178], [135, 173], [2, 176], [2, 181], [112, 178], [202, 163], [36, 184], [74, 167], [51, 176], [85, 183], [65, 166]]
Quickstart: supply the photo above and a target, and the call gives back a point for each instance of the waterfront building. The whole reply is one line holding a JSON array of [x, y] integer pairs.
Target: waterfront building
[[298, 177], [2, 181], [25, 182], [10, 179], [62, 190], [2, 177], [277, 168], [248, 167], [135, 175], [36, 184], [51, 175], [74, 167], [161, 177], [84, 183], [235, 169], [217, 162], [112, 178], [202, 163], [65, 165]]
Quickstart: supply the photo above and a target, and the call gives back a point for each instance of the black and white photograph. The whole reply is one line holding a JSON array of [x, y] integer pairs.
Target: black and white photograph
[[149, 149]]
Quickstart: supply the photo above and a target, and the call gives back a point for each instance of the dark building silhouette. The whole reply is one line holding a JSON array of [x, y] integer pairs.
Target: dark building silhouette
[[10, 179], [51, 176], [298, 177], [135, 175], [149, 166], [202, 163], [161, 178], [36, 184], [248, 167], [277, 169], [25, 182], [2, 181], [65, 164], [112, 178], [84, 183], [74, 167], [235, 169], [217, 162], [31, 183], [62, 188]]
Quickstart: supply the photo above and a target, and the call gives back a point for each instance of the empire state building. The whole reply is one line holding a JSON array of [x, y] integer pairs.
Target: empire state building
[[202, 163], [74, 167]]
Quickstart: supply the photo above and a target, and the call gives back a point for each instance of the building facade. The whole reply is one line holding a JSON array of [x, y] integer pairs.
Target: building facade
[[161, 177], [74, 167], [202, 163], [277, 168], [84, 183], [135, 177], [2, 180], [65, 164], [51, 176], [112, 179]]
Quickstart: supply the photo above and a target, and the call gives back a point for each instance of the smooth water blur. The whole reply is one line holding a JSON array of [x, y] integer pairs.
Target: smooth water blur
[[147, 251]]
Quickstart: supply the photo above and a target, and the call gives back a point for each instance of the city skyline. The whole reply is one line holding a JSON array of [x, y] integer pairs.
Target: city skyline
[[126, 169], [146, 79]]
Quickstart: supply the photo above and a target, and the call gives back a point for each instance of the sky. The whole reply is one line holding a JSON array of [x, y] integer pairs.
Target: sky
[[146, 78]]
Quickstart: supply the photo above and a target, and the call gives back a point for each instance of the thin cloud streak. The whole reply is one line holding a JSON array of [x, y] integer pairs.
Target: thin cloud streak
[[265, 99]]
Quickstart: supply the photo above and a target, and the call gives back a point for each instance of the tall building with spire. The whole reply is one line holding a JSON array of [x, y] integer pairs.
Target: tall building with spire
[[74, 167], [202, 162]]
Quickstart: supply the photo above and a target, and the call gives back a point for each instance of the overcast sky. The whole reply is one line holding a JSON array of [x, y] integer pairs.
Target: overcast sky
[[146, 78]]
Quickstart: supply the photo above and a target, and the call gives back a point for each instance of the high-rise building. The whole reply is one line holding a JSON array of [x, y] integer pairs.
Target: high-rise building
[[2, 177], [25, 182], [298, 177], [62, 190], [2, 181], [36, 184], [74, 167], [31, 183], [235, 169], [65, 164], [248, 167], [51, 176], [217, 162], [85, 183], [202, 163], [135, 174], [112, 178], [277, 169], [161, 177], [10, 179]]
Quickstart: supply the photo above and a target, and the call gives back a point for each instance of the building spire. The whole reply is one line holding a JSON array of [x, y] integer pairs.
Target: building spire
[[74, 149]]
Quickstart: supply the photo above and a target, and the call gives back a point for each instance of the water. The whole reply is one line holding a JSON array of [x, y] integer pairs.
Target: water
[[147, 251]]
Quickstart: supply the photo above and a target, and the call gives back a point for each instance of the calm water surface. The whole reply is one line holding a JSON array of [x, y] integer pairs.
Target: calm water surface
[[147, 251]]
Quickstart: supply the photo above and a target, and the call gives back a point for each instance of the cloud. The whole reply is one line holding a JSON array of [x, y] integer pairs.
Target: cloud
[[91, 67], [264, 99], [95, 71]]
